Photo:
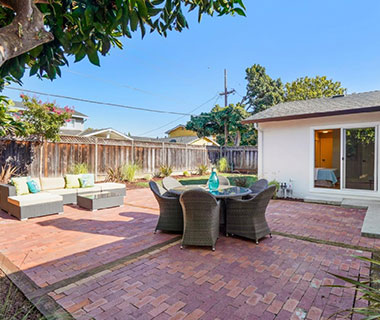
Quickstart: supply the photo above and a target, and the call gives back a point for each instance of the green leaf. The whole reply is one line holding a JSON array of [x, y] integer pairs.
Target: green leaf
[[36, 51], [240, 12], [143, 10], [134, 21], [93, 57], [33, 70]]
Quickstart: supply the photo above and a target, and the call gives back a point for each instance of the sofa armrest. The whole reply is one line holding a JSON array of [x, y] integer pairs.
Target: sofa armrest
[[6, 190]]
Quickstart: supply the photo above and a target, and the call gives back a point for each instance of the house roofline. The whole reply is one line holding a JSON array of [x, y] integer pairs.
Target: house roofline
[[106, 130], [315, 115]]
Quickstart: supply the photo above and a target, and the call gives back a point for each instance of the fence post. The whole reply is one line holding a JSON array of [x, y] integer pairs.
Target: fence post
[[163, 162], [133, 152], [187, 157], [96, 159]]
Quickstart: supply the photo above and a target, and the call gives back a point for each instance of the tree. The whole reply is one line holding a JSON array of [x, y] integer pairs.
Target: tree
[[43, 120], [262, 90], [40, 34], [310, 88], [224, 122], [9, 125]]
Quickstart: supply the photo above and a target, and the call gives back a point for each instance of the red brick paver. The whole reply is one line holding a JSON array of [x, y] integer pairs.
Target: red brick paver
[[281, 278]]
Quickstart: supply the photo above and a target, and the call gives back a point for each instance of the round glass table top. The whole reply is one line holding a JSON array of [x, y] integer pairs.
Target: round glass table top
[[221, 192]]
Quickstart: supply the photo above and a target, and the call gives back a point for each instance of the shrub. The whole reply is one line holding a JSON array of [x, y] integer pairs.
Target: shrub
[[241, 181], [277, 184], [79, 168], [365, 291], [186, 173], [6, 173], [165, 171], [147, 177], [222, 165], [128, 172], [202, 169], [114, 175]]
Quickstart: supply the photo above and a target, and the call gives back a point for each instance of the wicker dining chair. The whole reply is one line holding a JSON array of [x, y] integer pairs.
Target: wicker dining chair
[[201, 218], [257, 187], [170, 183], [171, 217], [246, 218], [223, 181]]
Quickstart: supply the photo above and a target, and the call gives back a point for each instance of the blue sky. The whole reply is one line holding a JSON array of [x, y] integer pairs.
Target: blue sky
[[339, 39]]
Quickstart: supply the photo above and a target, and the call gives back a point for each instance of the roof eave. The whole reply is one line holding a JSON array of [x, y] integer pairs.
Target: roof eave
[[315, 115]]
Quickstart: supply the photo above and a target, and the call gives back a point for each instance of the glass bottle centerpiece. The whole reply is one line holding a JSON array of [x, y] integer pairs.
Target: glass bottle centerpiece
[[213, 181]]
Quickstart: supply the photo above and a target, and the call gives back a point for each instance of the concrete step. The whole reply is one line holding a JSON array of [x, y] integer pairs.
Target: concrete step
[[371, 223], [358, 204]]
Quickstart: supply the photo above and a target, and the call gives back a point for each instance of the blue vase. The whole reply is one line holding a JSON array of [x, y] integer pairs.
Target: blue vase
[[213, 181]]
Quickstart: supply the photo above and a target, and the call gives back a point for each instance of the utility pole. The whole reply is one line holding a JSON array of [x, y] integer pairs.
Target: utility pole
[[225, 94]]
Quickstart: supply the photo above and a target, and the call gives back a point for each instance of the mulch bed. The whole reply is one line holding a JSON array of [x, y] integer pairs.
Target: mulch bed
[[13, 304]]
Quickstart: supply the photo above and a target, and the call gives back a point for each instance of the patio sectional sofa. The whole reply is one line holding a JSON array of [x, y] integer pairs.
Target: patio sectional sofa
[[50, 199]]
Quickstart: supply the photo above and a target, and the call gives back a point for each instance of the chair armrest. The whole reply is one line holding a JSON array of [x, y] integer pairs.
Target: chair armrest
[[6, 190]]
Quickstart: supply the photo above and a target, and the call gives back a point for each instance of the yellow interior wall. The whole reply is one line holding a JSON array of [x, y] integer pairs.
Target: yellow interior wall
[[182, 132]]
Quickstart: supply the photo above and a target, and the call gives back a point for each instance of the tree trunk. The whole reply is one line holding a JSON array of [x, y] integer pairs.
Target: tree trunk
[[237, 138], [226, 132], [41, 156], [25, 32]]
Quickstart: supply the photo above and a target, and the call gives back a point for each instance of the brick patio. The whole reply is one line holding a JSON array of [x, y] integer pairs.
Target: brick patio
[[109, 265]]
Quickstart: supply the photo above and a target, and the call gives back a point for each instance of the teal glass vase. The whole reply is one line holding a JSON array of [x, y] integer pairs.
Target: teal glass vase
[[213, 181]]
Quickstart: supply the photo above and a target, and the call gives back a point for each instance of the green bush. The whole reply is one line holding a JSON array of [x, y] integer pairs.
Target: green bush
[[128, 172], [79, 168], [242, 181], [202, 169], [364, 291], [165, 171], [222, 165], [277, 184], [114, 175], [186, 173]]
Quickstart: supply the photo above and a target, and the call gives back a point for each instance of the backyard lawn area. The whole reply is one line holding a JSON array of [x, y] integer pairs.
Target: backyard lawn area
[[109, 264]]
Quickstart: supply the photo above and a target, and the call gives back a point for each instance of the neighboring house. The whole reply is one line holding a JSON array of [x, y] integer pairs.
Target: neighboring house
[[71, 128], [327, 148], [106, 133], [180, 134]]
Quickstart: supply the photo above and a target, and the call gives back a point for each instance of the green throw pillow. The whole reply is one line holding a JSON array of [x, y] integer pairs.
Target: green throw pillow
[[72, 181], [20, 184], [87, 180]]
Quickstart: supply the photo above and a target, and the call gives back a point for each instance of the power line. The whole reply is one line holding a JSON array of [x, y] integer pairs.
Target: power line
[[100, 102], [175, 120], [120, 85]]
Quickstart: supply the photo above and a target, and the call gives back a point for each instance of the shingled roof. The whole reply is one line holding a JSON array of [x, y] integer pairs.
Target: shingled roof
[[321, 107]]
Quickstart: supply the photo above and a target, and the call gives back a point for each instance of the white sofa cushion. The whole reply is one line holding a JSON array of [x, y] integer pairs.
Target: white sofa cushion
[[52, 183], [62, 191], [35, 198], [106, 186], [95, 188]]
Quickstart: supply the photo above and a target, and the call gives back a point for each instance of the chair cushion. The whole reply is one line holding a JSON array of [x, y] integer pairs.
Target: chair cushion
[[33, 186], [95, 188], [52, 183], [36, 198], [72, 181], [87, 180], [21, 185]]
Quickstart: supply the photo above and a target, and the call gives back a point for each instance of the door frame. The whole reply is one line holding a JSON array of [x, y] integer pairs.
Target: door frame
[[343, 191]]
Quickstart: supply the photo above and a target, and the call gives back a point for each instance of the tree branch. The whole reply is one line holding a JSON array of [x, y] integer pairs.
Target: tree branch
[[25, 32]]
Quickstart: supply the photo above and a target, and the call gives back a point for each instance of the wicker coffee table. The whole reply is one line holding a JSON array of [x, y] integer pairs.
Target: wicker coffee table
[[100, 200]]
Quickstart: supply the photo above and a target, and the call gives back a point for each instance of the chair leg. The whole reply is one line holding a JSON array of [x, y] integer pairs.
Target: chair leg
[[155, 231], [270, 235], [257, 241], [213, 248], [181, 246]]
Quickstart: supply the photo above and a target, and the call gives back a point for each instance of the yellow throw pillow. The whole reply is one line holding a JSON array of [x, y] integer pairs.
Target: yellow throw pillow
[[21, 185], [72, 181]]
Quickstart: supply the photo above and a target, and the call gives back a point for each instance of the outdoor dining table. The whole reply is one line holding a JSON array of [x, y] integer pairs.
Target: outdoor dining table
[[222, 193]]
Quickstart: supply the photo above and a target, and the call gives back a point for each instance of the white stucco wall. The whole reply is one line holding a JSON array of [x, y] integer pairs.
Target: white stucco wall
[[286, 152]]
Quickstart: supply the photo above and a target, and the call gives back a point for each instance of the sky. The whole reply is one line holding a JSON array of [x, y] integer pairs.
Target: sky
[[180, 73]]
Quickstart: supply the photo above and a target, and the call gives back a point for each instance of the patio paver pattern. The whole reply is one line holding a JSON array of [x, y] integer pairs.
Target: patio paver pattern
[[80, 259]]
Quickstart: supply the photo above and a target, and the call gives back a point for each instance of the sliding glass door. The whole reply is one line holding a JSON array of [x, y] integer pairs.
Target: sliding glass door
[[360, 158]]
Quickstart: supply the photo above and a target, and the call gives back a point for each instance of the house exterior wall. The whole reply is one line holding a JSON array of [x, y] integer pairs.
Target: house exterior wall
[[203, 142], [76, 124], [286, 152], [182, 132]]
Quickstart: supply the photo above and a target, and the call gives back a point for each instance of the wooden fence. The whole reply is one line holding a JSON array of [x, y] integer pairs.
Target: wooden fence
[[100, 154]]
